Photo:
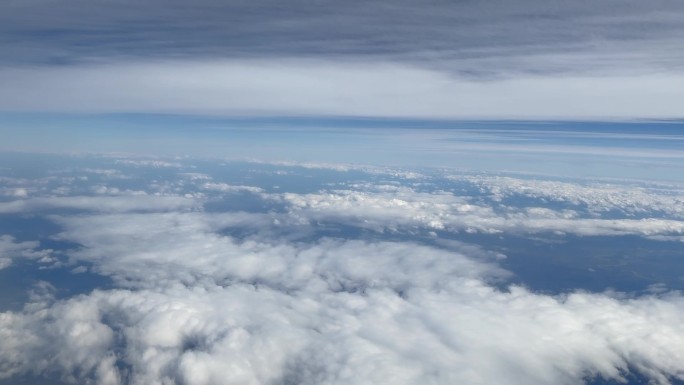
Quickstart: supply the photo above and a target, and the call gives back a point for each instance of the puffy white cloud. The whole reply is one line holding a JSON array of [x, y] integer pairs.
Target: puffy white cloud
[[165, 248], [464, 332], [403, 207], [10, 249], [598, 197], [262, 298]]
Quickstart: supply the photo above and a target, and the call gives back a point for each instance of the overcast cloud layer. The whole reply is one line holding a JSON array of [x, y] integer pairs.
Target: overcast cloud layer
[[527, 35], [526, 59]]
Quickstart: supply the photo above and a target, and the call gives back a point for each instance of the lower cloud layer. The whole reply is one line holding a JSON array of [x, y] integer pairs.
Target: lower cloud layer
[[342, 312], [203, 297]]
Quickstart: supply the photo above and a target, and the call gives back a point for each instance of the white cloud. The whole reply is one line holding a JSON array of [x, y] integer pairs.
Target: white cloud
[[153, 163], [20, 193], [151, 249], [344, 167], [224, 187], [405, 208], [316, 87], [278, 304], [463, 332], [598, 197], [10, 250], [120, 203]]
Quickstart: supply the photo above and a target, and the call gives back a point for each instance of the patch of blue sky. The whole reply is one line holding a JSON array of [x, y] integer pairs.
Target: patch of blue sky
[[109, 126], [563, 263], [18, 280]]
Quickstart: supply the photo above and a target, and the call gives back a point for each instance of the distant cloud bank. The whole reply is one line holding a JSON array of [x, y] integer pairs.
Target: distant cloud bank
[[329, 88]]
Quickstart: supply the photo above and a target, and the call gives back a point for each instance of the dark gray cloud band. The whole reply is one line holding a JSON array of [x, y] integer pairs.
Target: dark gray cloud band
[[468, 37]]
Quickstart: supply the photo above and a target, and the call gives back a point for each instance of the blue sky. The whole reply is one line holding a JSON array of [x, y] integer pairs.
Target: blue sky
[[649, 150]]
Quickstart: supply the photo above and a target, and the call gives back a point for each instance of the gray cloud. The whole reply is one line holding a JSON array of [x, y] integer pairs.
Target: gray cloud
[[469, 37], [617, 58], [460, 59]]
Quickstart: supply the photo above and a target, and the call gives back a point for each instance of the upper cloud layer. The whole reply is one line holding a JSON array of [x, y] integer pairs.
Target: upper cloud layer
[[473, 38], [315, 87], [531, 59]]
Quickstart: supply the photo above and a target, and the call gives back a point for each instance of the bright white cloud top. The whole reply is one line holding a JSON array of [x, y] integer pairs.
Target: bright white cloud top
[[360, 277]]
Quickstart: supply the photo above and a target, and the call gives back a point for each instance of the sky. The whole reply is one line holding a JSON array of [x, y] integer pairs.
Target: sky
[[498, 59], [341, 192]]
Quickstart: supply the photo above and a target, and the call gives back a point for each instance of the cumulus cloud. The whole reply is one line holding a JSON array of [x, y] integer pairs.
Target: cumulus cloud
[[11, 249], [147, 249], [598, 197], [396, 207], [459, 331], [205, 298]]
